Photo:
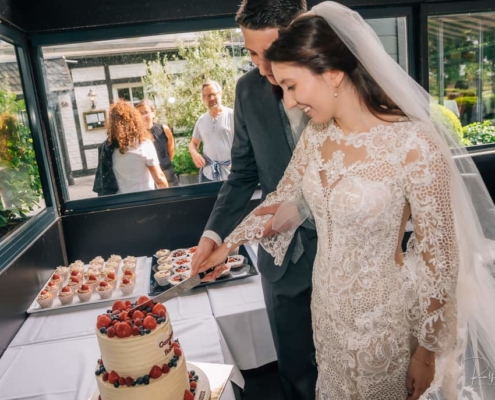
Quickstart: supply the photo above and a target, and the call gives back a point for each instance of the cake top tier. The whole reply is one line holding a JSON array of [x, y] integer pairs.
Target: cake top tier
[[118, 323]]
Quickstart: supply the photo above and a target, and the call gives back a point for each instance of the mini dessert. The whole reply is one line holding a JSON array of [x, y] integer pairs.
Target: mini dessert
[[185, 269], [127, 286], [74, 283], [179, 253], [75, 273], [92, 281], [111, 278], [129, 275], [104, 289], [52, 287], [129, 267], [130, 258], [66, 295], [63, 272], [165, 260], [226, 271], [192, 250], [115, 257], [91, 271], [235, 261], [45, 299], [115, 265], [165, 267], [84, 293], [181, 262], [162, 253], [175, 279], [161, 277], [78, 264], [97, 260]]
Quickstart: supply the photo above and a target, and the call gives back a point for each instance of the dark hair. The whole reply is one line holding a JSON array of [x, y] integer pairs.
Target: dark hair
[[263, 14], [310, 42]]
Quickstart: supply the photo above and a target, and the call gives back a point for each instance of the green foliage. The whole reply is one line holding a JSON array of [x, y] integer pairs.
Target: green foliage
[[480, 133], [449, 118], [209, 58], [182, 162], [20, 184]]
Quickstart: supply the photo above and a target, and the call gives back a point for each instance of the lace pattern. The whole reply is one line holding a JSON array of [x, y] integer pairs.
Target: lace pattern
[[371, 304]]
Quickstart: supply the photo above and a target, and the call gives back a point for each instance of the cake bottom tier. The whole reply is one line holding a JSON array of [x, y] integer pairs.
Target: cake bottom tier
[[170, 386]]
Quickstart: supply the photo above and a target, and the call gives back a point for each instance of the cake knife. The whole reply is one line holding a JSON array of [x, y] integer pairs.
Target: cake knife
[[178, 289]]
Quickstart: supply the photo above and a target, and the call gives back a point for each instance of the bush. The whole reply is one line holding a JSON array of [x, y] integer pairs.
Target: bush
[[480, 133], [20, 184], [449, 118], [182, 162]]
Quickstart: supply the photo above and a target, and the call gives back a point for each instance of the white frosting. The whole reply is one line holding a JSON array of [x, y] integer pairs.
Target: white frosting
[[134, 356]]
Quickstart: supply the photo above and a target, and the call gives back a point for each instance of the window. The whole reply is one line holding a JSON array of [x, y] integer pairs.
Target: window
[[21, 195], [83, 79], [462, 72]]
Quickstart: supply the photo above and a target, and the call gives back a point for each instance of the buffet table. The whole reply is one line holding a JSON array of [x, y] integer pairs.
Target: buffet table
[[56, 352]]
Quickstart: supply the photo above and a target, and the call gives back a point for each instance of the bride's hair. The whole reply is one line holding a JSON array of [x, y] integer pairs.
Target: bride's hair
[[310, 42]]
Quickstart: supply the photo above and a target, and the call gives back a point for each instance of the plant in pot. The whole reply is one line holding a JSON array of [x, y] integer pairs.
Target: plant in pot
[[183, 164]]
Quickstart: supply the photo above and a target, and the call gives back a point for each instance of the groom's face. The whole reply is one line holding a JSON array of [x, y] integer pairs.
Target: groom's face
[[256, 42]]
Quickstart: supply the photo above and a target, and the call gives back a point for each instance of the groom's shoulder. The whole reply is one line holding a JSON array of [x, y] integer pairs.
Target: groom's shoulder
[[250, 80]]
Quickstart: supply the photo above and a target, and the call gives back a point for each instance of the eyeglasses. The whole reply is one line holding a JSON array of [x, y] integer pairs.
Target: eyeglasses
[[208, 95]]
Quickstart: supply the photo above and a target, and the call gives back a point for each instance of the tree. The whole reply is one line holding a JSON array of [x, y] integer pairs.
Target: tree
[[210, 58]]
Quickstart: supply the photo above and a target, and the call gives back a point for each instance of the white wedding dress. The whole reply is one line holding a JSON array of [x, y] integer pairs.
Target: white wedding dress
[[372, 304]]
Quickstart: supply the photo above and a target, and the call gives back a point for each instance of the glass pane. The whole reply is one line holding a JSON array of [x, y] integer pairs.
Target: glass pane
[[462, 72], [124, 94], [21, 196], [167, 69], [137, 94]]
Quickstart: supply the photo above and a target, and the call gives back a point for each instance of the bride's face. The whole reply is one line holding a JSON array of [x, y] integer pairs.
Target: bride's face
[[311, 93]]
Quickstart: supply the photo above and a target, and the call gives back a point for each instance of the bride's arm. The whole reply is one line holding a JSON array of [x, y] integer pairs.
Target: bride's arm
[[252, 227], [428, 190]]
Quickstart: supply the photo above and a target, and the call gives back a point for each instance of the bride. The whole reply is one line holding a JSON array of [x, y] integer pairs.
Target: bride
[[387, 324]]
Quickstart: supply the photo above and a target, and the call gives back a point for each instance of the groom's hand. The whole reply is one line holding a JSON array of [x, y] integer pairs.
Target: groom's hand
[[206, 246], [268, 210]]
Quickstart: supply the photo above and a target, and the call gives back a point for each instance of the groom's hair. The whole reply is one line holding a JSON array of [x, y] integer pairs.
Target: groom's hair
[[263, 14]]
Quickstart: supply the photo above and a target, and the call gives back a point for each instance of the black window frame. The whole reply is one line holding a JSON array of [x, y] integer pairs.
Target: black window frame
[[12, 246]]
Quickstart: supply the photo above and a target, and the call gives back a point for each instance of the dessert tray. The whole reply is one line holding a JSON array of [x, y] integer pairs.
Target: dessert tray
[[234, 272], [202, 390], [141, 277]]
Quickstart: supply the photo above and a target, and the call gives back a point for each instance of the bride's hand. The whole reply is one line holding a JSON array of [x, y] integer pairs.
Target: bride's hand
[[420, 374], [216, 259]]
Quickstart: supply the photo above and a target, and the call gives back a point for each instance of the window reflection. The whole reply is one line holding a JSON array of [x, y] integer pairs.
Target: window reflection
[[168, 70], [21, 196], [462, 73]]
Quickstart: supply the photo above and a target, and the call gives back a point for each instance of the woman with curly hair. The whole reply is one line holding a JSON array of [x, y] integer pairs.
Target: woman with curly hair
[[135, 162]]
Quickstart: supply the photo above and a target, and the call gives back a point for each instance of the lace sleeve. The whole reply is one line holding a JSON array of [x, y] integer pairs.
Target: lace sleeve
[[288, 189], [428, 190]]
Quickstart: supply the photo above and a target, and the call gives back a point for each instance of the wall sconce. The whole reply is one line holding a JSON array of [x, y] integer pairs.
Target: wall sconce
[[92, 97]]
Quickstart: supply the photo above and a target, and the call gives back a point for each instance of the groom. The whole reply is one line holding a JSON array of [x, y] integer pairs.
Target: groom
[[265, 136]]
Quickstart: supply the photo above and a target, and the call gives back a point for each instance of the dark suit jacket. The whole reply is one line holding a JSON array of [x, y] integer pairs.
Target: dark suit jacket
[[260, 154]]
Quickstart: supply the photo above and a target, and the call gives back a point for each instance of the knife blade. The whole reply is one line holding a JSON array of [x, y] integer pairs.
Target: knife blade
[[177, 290]]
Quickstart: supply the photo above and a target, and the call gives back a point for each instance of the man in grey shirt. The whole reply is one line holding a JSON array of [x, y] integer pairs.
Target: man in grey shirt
[[215, 128]]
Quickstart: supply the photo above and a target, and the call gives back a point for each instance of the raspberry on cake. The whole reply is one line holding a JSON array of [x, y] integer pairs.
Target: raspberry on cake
[[139, 357]]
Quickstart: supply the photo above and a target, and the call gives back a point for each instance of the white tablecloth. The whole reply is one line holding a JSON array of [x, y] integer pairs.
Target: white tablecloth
[[240, 311]]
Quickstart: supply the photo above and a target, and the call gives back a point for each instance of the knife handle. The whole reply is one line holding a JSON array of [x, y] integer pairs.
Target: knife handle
[[203, 274]]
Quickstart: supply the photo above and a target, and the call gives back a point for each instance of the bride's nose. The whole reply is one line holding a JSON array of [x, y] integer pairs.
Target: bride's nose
[[289, 100]]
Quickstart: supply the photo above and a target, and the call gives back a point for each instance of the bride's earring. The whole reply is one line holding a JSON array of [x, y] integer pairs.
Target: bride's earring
[[335, 94]]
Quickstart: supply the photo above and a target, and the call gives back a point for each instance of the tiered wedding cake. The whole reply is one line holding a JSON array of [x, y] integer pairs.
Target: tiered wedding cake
[[139, 357]]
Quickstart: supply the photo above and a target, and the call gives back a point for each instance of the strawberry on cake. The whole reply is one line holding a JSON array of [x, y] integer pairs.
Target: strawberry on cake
[[139, 357]]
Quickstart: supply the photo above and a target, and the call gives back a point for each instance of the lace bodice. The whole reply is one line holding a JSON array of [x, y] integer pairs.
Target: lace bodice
[[368, 297]]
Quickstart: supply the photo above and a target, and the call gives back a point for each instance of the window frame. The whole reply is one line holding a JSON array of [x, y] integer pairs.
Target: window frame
[[39, 40], [12, 246]]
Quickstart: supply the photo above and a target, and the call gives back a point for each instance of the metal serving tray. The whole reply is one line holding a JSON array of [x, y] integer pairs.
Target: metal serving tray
[[246, 270]]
